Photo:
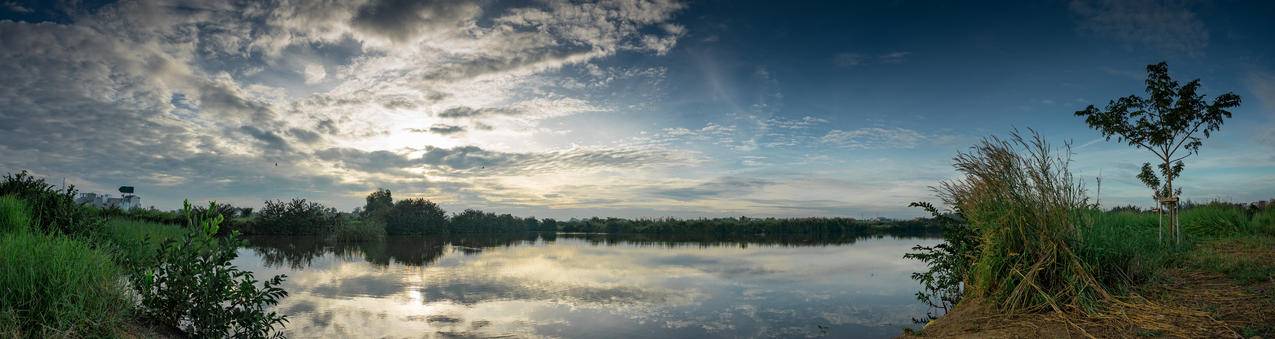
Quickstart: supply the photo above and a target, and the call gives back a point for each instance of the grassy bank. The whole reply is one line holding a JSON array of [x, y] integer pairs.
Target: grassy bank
[[1028, 255], [66, 272]]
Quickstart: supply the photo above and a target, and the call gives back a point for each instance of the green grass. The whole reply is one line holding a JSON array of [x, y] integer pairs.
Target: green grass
[[127, 235], [1264, 221], [14, 215], [53, 286], [1122, 248], [1214, 219], [1243, 258]]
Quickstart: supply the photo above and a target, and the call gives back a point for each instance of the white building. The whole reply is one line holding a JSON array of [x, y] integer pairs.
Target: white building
[[124, 202]]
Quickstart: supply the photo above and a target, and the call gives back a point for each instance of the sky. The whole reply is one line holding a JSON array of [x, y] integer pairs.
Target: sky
[[626, 108]]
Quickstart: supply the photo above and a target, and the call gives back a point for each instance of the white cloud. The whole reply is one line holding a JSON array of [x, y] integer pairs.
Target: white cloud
[[874, 138]]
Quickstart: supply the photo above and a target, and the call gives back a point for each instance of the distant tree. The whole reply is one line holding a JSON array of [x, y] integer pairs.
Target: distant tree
[[415, 216], [295, 217], [1168, 123], [378, 203]]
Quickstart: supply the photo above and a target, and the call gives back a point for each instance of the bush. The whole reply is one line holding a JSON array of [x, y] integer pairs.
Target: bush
[[415, 216], [53, 210], [296, 217], [14, 216], [52, 286], [191, 284]]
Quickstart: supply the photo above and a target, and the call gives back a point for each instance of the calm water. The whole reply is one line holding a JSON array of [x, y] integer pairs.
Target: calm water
[[592, 286]]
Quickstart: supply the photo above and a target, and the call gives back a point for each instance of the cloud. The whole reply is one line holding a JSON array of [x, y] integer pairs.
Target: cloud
[[314, 73], [403, 20], [1162, 24], [726, 187], [874, 138], [467, 112], [446, 129]]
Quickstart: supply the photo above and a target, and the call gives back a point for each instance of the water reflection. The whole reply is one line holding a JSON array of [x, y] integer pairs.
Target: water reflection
[[576, 285]]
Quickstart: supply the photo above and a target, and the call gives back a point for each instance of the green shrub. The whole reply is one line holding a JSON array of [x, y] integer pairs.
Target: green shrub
[[191, 284], [14, 216], [296, 217], [1213, 220], [415, 216], [53, 210], [53, 286]]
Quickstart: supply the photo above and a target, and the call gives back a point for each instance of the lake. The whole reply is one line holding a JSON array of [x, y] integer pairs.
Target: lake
[[590, 286]]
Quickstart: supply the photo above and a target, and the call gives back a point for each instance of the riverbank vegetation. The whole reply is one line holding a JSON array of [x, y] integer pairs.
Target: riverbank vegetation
[[69, 272], [1027, 252]]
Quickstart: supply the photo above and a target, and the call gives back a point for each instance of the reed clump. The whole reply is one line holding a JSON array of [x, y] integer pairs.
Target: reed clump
[[1020, 196]]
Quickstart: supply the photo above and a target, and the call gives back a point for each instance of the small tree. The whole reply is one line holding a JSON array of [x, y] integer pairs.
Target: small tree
[[1168, 123]]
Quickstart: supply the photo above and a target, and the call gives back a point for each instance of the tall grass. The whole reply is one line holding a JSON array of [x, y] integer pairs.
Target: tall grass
[[1021, 198], [359, 230], [1264, 221], [1214, 219], [136, 240], [1122, 248], [53, 286], [14, 216]]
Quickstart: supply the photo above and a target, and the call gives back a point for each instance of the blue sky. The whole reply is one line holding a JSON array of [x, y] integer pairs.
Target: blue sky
[[617, 108]]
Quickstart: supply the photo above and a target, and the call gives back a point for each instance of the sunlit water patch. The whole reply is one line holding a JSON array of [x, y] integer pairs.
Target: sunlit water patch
[[589, 286]]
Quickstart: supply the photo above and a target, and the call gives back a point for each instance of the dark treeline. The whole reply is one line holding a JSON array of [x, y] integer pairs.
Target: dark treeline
[[382, 215], [300, 252]]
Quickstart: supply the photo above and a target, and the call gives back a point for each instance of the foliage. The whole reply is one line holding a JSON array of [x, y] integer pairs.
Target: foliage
[[296, 217], [1215, 219], [53, 210], [1166, 124], [742, 226], [191, 284], [54, 286], [1264, 220], [475, 221], [1020, 197], [415, 216], [136, 240], [359, 230], [378, 204], [1245, 259], [1122, 248], [14, 216], [948, 263]]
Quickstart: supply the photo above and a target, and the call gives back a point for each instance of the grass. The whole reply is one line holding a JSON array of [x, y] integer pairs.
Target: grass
[[1214, 219], [1021, 198], [1122, 248], [1264, 221], [14, 216], [130, 237], [53, 286], [1245, 259]]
